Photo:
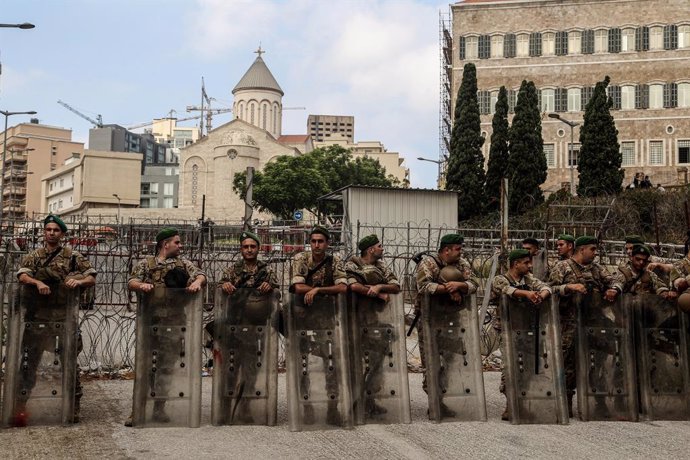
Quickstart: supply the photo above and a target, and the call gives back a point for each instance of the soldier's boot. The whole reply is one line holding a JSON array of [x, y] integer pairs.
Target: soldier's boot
[[159, 414], [308, 414], [372, 408], [446, 411], [332, 414]]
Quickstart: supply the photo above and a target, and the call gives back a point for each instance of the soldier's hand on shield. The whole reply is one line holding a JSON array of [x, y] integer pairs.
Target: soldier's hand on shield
[[577, 287], [265, 287], [534, 297], [454, 286], [73, 283], [42, 287], [228, 287], [610, 295], [456, 296], [309, 296], [669, 295], [383, 296], [374, 290], [681, 284], [195, 286], [145, 287]]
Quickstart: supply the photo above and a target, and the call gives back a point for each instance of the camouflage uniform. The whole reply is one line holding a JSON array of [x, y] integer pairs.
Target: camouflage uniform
[[428, 272], [66, 263], [681, 269], [646, 282], [240, 273], [151, 270], [505, 284], [359, 272], [570, 272], [329, 274]]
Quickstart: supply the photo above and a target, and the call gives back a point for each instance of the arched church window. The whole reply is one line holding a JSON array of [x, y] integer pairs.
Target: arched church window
[[264, 109], [195, 183], [251, 112]]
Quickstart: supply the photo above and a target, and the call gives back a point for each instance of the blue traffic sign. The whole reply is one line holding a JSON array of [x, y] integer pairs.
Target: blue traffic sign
[[297, 215]]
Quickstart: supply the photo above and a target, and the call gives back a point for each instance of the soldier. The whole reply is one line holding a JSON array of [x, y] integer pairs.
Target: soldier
[[635, 277], [540, 261], [578, 274], [166, 268], [429, 281], [531, 245], [656, 263], [45, 268], [241, 280], [565, 246], [680, 278], [517, 283], [370, 278], [315, 273]]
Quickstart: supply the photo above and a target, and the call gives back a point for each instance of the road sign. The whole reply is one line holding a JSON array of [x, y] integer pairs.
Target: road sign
[[297, 215]]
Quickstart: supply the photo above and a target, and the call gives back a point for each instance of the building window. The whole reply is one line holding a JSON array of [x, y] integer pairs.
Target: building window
[[587, 41], [614, 92], [522, 45], [575, 42], [484, 46], [484, 99], [145, 188], [614, 41], [509, 46], [627, 153], [168, 189], [642, 38], [684, 95], [154, 188], [656, 153], [587, 93], [494, 99], [497, 46], [573, 154], [670, 37], [471, 47], [548, 98], [548, 44], [627, 40], [561, 43], [627, 97], [670, 95], [561, 99], [512, 100], [683, 151], [145, 203], [642, 97], [167, 202], [683, 36], [549, 153], [574, 99], [601, 41], [535, 44], [656, 38], [656, 96]]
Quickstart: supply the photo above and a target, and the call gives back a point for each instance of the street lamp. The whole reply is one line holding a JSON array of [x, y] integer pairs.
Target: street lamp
[[118, 207], [23, 25], [572, 125], [7, 114], [440, 165]]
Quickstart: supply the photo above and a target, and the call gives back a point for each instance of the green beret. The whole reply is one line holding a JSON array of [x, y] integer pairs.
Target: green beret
[[641, 249], [453, 238], [55, 219], [634, 239], [566, 237], [367, 242], [320, 230], [516, 254], [585, 240], [531, 240], [166, 233], [244, 235]]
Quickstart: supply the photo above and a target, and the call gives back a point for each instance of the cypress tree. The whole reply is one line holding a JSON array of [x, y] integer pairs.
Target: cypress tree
[[599, 163], [498, 154], [466, 162], [526, 162]]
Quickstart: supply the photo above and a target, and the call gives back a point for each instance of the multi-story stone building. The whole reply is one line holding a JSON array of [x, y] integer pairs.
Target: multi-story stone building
[[322, 127], [565, 47]]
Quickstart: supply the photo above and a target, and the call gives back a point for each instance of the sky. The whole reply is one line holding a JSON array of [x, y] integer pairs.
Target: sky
[[135, 60]]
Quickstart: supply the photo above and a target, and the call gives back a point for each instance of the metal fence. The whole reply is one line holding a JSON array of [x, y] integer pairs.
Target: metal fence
[[107, 322]]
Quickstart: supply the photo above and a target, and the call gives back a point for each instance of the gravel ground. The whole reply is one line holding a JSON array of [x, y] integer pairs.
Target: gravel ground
[[107, 403]]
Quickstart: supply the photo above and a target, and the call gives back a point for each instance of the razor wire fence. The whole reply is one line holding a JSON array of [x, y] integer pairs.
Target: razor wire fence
[[107, 317]]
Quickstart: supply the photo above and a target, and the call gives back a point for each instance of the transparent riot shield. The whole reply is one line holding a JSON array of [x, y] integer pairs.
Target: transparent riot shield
[[662, 358], [167, 380], [533, 361], [380, 388], [318, 365], [41, 358], [245, 358], [455, 383], [606, 379]]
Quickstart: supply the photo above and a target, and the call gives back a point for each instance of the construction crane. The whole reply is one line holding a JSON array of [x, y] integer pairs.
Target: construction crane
[[98, 122], [208, 113], [141, 125]]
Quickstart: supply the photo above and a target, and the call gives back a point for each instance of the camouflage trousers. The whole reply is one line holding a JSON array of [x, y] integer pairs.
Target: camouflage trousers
[[569, 347]]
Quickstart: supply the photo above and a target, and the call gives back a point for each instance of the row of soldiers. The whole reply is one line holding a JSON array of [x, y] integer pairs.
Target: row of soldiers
[[317, 274]]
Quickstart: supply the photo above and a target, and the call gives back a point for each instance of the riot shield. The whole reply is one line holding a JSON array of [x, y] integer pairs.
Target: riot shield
[[533, 361], [455, 383], [661, 341], [380, 388], [167, 379], [245, 358], [318, 365], [41, 358], [540, 265], [606, 379]]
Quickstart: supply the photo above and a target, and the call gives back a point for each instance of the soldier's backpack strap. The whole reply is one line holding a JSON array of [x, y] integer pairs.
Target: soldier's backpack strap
[[54, 255], [360, 278]]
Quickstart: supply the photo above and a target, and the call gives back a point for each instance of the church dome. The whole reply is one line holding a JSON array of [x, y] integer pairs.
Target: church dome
[[258, 77]]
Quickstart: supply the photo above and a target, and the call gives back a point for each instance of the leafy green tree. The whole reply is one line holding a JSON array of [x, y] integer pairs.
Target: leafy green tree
[[295, 182], [599, 162], [498, 154], [526, 162], [465, 171]]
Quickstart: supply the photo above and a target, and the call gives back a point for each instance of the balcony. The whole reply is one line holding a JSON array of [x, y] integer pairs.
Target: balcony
[[19, 173], [14, 191]]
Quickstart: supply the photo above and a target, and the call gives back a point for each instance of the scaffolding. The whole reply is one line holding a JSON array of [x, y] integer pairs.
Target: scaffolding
[[445, 113]]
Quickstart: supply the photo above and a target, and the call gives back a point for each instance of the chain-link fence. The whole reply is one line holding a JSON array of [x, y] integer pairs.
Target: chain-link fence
[[107, 320]]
